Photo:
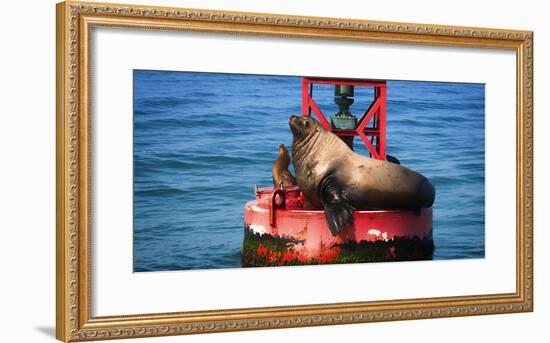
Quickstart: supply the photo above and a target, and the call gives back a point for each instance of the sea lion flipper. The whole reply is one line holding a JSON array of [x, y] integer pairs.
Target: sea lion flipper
[[392, 159], [338, 212]]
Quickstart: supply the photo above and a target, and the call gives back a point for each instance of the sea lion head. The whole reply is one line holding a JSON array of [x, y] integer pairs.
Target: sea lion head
[[284, 156], [303, 127], [283, 150]]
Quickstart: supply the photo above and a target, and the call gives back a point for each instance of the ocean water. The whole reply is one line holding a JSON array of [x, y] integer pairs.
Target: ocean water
[[202, 141]]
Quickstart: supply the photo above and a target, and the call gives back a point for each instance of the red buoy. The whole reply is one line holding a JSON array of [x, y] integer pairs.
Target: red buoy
[[293, 233], [282, 229]]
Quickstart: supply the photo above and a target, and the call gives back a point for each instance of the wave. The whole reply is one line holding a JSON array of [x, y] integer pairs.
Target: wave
[[162, 102], [159, 192]]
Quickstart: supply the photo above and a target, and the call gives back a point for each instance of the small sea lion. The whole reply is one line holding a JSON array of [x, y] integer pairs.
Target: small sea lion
[[280, 169], [338, 180]]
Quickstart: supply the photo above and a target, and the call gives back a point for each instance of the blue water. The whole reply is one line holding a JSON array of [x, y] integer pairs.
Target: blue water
[[201, 142]]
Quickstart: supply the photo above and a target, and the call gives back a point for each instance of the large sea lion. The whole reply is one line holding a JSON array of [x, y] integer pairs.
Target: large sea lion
[[338, 180], [281, 174]]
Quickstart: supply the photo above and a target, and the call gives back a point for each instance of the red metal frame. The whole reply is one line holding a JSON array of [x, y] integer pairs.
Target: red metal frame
[[376, 113]]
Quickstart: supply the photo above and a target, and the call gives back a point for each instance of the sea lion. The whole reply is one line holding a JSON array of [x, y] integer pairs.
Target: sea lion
[[338, 180], [280, 171]]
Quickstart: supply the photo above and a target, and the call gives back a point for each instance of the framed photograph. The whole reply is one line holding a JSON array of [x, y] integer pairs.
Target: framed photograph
[[225, 171]]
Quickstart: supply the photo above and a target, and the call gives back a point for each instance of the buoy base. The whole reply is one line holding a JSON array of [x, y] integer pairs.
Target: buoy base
[[262, 250], [280, 228]]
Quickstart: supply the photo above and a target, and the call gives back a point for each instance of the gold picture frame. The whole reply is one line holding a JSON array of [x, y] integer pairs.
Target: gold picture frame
[[74, 321]]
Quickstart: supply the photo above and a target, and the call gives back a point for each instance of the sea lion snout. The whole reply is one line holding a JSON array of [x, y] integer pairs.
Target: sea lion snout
[[292, 121], [295, 125], [302, 126]]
